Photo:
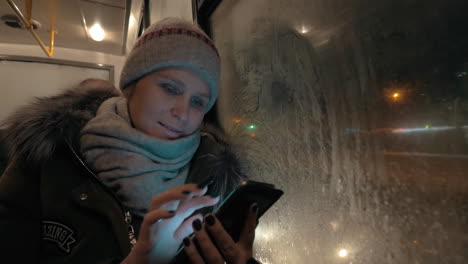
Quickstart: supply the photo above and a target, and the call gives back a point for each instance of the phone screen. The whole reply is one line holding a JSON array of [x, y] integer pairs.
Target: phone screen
[[233, 211]]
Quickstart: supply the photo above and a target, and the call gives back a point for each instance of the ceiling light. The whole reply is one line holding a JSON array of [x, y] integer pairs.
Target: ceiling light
[[96, 32]]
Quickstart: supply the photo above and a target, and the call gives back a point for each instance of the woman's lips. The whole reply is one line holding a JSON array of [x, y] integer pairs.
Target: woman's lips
[[171, 131]]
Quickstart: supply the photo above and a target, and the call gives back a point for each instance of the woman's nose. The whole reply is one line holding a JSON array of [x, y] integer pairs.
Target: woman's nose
[[180, 110]]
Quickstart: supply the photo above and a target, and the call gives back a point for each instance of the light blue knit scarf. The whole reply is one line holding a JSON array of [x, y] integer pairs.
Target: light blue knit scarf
[[134, 165]]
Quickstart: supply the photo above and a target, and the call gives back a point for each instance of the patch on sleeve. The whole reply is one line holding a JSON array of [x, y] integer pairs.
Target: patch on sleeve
[[59, 233]]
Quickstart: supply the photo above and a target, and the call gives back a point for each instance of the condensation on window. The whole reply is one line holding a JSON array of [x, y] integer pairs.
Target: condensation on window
[[358, 110]]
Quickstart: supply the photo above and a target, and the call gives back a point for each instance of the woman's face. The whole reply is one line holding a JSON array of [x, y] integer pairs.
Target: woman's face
[[168, 104]]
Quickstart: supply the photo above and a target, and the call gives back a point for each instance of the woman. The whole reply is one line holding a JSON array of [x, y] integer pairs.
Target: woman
[[93, 173]]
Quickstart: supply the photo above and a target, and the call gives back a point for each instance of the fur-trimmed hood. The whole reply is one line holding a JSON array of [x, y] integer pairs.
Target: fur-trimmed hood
[[35, 131]]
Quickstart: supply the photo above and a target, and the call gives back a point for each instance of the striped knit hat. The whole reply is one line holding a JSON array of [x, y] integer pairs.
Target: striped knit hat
[[173, 42]]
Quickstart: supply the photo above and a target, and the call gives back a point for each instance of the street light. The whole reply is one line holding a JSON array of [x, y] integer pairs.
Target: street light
[[343, 253]]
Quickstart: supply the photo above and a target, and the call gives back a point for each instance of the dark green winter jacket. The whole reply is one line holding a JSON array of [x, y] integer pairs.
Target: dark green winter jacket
[[53, 209]]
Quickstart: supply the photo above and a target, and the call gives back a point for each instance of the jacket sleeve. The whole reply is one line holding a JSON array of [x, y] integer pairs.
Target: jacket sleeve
[[20, 226]]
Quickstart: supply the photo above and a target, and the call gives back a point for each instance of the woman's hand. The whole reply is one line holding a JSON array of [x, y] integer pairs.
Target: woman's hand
[[229, 251], [165, 224]]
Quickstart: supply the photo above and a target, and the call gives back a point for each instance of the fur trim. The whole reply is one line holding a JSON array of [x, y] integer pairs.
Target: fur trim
[[34, 131], [226, 165]]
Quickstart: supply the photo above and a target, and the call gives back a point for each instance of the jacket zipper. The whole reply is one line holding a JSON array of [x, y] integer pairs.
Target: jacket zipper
[[126, 214]]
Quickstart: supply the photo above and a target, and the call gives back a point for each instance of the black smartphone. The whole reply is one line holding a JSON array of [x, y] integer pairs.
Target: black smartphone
[[233, 210]]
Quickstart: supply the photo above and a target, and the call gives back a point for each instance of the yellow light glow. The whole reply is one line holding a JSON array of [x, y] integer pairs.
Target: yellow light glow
[[264, 233], [237, 121], [396, 95], [96, 32], [343, 253]]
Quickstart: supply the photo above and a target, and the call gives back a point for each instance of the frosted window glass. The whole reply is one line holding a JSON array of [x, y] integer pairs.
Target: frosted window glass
[[358, 110]]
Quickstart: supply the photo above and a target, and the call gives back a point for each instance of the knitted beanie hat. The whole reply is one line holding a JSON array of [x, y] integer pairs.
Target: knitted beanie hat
[[174, 42]]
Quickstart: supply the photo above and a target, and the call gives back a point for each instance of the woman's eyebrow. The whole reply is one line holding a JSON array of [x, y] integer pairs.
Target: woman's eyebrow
[[177, 82]]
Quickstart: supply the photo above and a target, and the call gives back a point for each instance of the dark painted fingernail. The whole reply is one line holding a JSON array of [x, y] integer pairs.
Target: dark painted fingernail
[[255, 208], [186, 192], [197, 225], [171, 211], [186, 241], [210, 220], [205, 183]]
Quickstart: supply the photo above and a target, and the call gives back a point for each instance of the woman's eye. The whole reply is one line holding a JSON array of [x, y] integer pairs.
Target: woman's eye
[[170, 89], [198, 102]]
